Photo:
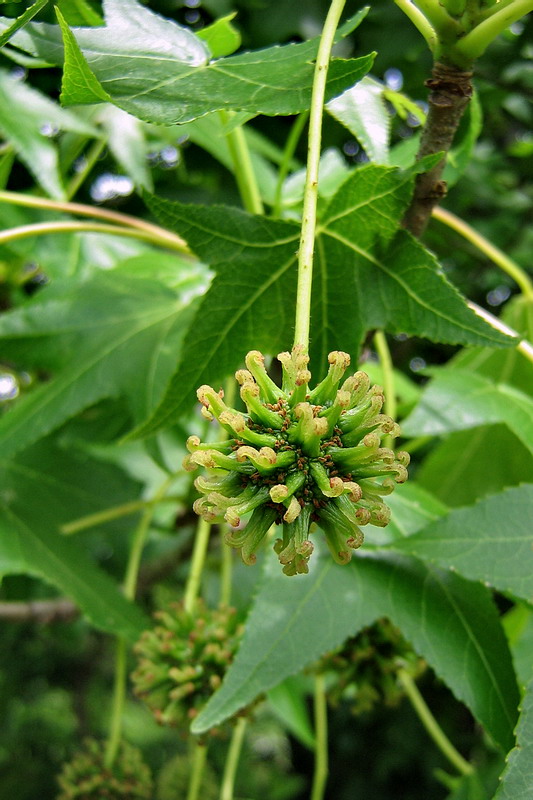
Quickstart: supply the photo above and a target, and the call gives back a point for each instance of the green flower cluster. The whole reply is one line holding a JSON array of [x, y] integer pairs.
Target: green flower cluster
[[366, 667], [87, 778], [183, 660], [298, 456]]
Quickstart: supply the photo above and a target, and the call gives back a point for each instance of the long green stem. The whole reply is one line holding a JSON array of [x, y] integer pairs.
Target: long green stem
[[307, 238], [226, 575], [82, 210], [130, 584], [385, 361], [288, 154], [232, 760], [432, 726], [40, 228], [119, 696], [197, 771], [108, 514], [491, 251], [91, 158], [201, 541], [475, 43], [419, 21], [488, 12], [243, 168], [320, 775], [226, 572], [119, 690], [437, 16]]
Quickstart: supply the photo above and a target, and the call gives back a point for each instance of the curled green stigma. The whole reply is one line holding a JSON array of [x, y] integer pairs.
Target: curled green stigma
[[298, 456]]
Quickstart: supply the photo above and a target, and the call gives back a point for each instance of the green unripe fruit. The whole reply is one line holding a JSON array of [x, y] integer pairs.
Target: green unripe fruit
[[86, 777], [298, 456], [367, 665], [183, 659]]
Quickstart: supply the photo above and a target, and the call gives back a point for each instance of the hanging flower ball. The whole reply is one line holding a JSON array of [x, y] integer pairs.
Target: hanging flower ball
[[298, 456], [183, 659], [86, 777], [366, 667]]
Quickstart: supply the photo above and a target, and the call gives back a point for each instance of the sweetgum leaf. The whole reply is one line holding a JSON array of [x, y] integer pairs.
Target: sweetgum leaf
[[452, 623], [458, 400], [367, 275], [117, 335], [79, 12], [159, 71], [78, 84], [221, 36], [363, 111], [412, 509], [516, 779], [452, 469], [471, 464], [42, 489], [490, 541]]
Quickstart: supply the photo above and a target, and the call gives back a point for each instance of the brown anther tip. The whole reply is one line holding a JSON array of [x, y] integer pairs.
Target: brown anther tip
[[243, 376], [340, 358]]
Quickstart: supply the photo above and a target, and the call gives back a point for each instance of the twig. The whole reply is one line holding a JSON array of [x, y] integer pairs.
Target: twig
[[60, 609], [451, 90]]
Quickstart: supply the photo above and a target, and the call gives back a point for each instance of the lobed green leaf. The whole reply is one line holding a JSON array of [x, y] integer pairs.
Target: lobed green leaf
[[458, 400], [161, 72], [490, 541], [367, 275], [450, 622]]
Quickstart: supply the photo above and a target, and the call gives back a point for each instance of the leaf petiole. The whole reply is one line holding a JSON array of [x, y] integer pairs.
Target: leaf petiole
[[321, 738], [476, 42], [232, 760], [82, 210], [130, 585], [496, 255], [54, 226], [243, 168], [432, 726], [307, 238], [420, 21]]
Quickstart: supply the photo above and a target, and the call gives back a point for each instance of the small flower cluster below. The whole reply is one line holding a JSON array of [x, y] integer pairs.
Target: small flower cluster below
[[367, 665], [297, 456], [183, 659], [87, 777]]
